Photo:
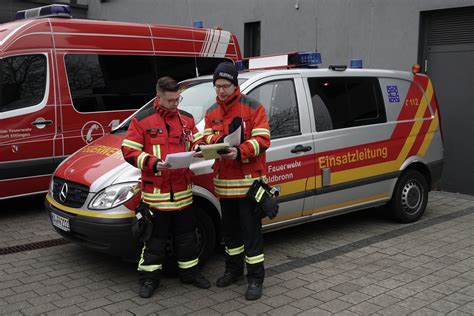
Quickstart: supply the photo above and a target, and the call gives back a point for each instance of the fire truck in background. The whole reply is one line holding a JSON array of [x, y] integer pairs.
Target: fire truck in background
[[66, 82]]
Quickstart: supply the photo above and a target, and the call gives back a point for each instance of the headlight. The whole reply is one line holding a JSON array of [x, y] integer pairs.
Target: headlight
[[114, 195]]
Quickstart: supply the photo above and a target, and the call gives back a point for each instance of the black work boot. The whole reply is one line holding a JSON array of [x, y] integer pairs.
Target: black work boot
[[254, 291], [196, 279], [148, 288], [229, 278]]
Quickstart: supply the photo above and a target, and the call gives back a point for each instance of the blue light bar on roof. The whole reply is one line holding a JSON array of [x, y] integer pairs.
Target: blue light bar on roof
[[356, 63], [308, 59], [53, 10]]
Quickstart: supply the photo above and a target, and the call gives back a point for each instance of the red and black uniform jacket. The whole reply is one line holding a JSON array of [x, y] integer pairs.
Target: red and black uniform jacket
[[151, 136], [233, 178]]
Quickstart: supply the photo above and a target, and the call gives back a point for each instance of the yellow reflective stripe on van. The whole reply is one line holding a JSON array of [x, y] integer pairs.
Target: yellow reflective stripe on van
[[101, 214], [141, 159], [431, 131], [234, 182], [207, 131], [234, 251], [260, 131], [255, 145], [254, 260], [132, 144], [188, 264], [231, 192], [147, 268]]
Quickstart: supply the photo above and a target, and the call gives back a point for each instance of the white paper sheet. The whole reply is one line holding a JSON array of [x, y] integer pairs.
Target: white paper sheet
[[233, 139], [180, 160]]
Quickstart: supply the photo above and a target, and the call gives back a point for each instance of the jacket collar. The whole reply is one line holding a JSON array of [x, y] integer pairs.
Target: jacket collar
[[163, 112], [225, 104]]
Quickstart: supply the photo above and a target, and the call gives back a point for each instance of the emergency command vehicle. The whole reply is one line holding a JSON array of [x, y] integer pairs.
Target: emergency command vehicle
[[65, 82], [342, 139]]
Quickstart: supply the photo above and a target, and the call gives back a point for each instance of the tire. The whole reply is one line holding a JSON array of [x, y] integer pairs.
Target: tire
[[410, 197]]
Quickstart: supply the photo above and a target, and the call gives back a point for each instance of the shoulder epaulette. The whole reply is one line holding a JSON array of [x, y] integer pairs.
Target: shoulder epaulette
[[212, 108], [145, 113], [183, 112], [251, 102]]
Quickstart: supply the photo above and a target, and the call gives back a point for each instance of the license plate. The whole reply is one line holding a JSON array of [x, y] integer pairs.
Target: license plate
[[60, 222]]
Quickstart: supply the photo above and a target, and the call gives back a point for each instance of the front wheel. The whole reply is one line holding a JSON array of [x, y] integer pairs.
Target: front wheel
[[410, 197]]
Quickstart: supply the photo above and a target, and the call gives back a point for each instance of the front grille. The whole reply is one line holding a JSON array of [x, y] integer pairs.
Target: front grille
[[76, 194]]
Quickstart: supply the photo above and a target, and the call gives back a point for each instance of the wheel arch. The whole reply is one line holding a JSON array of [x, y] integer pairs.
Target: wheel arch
[[418, 164]]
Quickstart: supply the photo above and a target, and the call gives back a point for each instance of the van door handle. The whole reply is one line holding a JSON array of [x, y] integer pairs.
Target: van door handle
[[300, 148], [41, 121]]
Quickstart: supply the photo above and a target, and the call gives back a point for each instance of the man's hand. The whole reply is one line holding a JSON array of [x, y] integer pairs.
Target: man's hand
[[231, 154], [160, 165], [198, 154]]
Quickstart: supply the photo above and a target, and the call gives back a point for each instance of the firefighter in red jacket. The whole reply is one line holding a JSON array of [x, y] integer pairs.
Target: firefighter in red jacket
[[234, 173], [153, 135]]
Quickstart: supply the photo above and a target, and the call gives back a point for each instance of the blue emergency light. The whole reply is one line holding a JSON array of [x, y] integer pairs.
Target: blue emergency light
[[308, 59], [53, 10], [198, 24], [356, 63]]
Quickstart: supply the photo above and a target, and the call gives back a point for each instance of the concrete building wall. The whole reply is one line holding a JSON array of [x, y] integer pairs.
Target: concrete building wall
[[8, 8], [384, 33]]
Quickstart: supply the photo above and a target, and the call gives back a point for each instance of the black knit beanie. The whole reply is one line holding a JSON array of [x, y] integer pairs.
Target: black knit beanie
[[226, 70]]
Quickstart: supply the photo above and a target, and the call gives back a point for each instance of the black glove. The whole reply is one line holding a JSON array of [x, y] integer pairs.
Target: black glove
[[143, 226], [265, 198], [270, 207]]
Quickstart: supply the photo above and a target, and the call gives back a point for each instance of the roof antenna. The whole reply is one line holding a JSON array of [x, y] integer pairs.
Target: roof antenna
[[194, 42]]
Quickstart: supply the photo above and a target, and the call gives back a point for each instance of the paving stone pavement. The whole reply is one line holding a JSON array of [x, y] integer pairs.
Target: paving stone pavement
[[356, 264]]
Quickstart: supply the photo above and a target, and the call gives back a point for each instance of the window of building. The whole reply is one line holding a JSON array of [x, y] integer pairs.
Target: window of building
[[252, 39], [279, 99], [346, 102], [22, 81], [120, 82]]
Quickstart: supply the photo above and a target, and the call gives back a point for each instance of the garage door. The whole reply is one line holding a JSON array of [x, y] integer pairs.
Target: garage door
[[447, 55]]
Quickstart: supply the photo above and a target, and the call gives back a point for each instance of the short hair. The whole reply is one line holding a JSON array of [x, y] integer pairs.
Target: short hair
[[166, 84]]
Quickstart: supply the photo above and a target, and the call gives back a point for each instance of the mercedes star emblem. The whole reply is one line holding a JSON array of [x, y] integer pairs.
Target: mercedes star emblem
[[63, 193]]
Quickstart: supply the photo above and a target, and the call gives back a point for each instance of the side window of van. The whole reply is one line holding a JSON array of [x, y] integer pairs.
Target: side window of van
[[22, 81], [341, 102], [109, 82], [120, 82], [279, 99]]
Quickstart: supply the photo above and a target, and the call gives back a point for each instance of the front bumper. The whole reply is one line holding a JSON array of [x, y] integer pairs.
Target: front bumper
[[109, 235]]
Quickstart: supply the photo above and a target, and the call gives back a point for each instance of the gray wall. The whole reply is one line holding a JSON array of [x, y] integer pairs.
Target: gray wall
[[8, 8], [384, 33]]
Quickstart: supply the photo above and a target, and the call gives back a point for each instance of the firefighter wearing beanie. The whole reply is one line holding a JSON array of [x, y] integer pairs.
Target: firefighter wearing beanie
[[234, 173]]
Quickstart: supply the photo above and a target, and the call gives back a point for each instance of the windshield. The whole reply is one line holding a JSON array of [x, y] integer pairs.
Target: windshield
[[198, 96]]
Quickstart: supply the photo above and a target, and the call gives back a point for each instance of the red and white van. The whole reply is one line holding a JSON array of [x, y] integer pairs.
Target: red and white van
[[66, 82], [342, 139]]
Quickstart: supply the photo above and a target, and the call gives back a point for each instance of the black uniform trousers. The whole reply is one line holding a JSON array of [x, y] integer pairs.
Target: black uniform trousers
[[182, 225], [242, 234]]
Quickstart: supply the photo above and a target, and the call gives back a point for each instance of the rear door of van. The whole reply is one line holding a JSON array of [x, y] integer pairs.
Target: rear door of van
[[28, 122]]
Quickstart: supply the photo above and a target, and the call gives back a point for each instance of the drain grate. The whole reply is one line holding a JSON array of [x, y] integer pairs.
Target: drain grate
[[33, 246]]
